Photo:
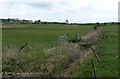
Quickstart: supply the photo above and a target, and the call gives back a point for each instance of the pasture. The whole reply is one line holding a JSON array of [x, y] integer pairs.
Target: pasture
[[41, 37], [108, 55]]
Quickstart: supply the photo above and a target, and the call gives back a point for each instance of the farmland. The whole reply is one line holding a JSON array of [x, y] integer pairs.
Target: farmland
[[108, 54], [41, 37]]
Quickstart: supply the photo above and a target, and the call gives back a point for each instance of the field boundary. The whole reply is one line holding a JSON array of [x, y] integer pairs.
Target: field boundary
[[90, 35], [0, 51]]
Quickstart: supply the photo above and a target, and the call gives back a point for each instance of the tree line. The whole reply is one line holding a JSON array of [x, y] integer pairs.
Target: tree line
[[23, 21]]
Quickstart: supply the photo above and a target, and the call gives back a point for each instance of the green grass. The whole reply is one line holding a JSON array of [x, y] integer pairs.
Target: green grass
[[44, 34], [108, 65]]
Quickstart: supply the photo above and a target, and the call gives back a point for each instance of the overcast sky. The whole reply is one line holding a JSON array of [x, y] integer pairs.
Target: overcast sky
[[80, 11]]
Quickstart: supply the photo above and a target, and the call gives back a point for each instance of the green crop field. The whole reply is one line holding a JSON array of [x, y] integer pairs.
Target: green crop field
[[43, 36]]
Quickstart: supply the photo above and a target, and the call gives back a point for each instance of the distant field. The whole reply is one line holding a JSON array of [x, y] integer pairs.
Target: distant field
[[40, 33]]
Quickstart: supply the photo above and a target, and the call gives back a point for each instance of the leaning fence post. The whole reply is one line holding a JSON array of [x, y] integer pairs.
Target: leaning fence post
[[95, 54], [8, 45], [94, 69], [23, 46], [27, 48]]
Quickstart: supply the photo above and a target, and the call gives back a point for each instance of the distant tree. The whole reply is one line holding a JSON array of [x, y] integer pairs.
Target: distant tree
[[66, 21], [35, 22], [104, 23], [97, 24], [8, 20], [39, 21]]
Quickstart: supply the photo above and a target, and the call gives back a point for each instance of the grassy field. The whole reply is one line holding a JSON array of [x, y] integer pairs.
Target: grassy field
[[108, 55], [43, 36]]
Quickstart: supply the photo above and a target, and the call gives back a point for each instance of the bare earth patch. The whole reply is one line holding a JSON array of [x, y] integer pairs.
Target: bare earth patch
[[12, 27]]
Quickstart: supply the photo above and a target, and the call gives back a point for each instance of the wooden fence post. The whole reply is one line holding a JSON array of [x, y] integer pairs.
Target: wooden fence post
[[94, 69], [95, 54]]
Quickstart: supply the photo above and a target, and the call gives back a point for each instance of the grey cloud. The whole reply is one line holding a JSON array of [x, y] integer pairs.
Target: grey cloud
[[42, 5]]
